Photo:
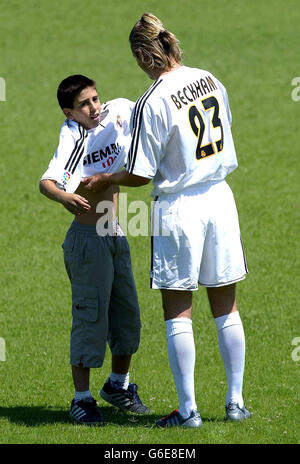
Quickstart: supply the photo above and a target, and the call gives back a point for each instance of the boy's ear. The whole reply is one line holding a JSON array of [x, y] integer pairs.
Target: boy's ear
[[67, 113]]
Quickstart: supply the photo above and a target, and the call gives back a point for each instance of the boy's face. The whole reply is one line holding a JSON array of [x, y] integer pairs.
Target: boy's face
[[86, 108]]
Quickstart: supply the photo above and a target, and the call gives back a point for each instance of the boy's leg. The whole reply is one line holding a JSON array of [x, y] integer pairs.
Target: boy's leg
[[118, 391], [84, 408], [120, 363], [123, 333], [120, 370], [119, 374], [124, 313], [81, 379], [82, 248]]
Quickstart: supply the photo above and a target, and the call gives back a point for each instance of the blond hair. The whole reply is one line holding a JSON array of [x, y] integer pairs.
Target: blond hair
[[159, 47]]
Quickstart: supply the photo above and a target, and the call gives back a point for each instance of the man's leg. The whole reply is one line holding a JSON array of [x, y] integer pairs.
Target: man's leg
[[231, 339], [177, 306]]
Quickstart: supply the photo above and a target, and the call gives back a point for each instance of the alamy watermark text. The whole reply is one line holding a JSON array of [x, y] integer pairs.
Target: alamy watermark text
[[296, 91], [2, 89]]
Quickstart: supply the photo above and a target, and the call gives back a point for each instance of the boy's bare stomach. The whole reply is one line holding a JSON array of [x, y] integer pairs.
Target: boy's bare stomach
[[108, 195]]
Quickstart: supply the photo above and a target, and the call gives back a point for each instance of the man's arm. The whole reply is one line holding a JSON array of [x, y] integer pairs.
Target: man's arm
[[100, 182], [74, 203]]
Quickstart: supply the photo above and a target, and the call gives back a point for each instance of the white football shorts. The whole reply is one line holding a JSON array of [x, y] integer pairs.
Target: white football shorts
[[196, 239]]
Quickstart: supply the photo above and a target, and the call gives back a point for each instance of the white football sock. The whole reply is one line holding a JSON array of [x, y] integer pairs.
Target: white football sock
[[232, 348], [85, 395], [121, 379], [181, 352]]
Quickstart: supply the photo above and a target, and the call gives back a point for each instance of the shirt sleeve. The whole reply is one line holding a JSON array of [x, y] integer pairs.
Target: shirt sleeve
[[146, 145], [64, 168]]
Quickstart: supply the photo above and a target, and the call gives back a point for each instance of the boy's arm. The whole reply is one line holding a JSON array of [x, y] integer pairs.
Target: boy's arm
[[73, 202]]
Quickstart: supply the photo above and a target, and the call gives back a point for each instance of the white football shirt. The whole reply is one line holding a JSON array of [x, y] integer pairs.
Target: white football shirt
[[181, 131], [82, 153]]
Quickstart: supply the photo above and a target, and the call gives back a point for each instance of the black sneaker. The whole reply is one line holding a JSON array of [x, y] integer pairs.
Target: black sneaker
[[86, 412], [126, 400]]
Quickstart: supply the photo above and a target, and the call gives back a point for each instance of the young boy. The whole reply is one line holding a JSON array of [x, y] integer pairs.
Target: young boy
[[105, 308]]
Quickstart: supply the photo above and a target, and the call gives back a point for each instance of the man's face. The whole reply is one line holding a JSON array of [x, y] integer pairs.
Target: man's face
[[86, 108]]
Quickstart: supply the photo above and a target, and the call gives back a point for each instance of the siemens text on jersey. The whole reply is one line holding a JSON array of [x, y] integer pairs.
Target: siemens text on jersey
[[100, 155], [192, 91]]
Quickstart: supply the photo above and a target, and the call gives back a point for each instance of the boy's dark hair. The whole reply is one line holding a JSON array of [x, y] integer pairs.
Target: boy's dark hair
[[70, 87]]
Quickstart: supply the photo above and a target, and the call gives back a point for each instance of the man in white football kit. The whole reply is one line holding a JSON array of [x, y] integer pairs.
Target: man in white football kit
[[181, 139], [105, 306]]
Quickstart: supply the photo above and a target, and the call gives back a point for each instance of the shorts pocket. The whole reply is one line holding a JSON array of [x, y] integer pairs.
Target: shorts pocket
[[68, 245], [85, 305]]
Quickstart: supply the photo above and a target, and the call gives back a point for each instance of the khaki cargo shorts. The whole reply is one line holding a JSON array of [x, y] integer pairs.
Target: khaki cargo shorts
[[105, 305]]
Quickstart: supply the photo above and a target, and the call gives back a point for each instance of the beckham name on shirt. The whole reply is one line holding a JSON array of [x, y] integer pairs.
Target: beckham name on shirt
[[194, 90]]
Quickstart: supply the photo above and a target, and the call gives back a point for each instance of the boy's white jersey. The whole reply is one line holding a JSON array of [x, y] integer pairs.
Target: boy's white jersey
[[83, 153], [181, 131]]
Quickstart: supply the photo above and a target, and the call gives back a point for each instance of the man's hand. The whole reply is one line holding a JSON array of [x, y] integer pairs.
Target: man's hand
[[96, 183], [76, 204], [100, 182]]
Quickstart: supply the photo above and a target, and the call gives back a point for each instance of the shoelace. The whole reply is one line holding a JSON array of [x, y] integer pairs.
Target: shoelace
[[132, 392], [89, 405]]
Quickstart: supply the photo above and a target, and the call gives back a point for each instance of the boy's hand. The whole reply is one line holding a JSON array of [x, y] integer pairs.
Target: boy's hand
[[76, 204], [96, 183]]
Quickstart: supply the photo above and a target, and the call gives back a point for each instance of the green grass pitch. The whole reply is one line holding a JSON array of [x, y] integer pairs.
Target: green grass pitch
[[251, 46]]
